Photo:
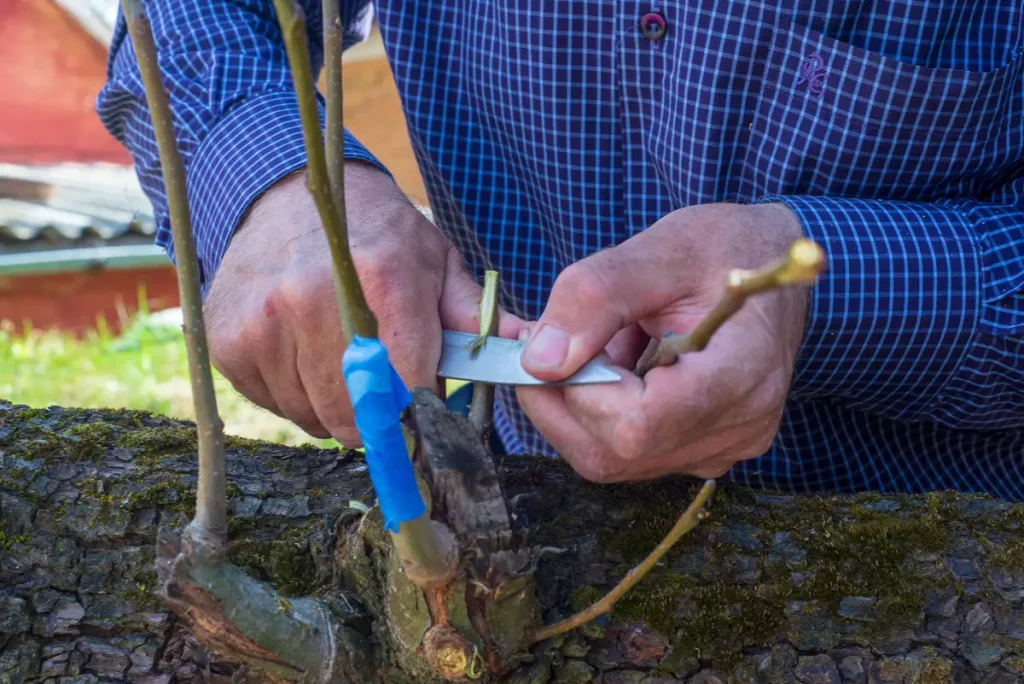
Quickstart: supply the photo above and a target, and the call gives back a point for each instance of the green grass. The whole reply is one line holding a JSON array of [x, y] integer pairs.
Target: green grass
[[145, 368]]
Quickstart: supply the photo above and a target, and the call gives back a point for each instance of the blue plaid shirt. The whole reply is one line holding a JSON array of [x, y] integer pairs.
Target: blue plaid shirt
[[548, 130]]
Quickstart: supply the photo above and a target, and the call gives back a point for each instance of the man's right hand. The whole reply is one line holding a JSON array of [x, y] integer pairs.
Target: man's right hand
[[271, 312]]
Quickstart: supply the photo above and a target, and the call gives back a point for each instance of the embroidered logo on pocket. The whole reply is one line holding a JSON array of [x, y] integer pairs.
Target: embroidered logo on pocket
[[812, 72]]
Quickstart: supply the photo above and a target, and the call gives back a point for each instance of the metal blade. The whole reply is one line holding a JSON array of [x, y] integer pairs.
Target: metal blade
[[497, 362]]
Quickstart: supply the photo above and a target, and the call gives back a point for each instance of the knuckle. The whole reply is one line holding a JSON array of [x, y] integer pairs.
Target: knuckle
[[376, 267], [295, 296], [772, 396], [597, 468], [631, 437], [231, 347], [586, 285], [255, 335], [348, 438], [338, 420], [590, 285]]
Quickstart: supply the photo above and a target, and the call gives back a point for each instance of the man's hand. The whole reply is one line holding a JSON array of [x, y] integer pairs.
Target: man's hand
[[272, 314], [708, 410]]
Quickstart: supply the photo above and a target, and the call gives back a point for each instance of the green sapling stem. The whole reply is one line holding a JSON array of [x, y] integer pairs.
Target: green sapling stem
[[210, 522], [356, 316], [481, 411], [335, 96]]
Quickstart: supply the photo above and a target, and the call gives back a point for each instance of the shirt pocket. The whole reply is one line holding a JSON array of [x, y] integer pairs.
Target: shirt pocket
[[834, 119]]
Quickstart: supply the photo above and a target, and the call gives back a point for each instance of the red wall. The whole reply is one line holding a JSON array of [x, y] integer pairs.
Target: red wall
[[72, 301], [51, 70]]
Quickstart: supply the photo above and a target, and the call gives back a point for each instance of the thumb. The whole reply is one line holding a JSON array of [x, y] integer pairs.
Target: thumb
[[591, 301]]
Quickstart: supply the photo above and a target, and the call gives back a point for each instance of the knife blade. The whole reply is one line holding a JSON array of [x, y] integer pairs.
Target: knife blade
[[497, 362]]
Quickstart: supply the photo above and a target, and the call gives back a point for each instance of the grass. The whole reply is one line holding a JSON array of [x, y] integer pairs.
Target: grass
[[145, 367]]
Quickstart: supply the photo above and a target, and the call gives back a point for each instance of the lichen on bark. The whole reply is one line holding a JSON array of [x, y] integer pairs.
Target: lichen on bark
[[772, 587]]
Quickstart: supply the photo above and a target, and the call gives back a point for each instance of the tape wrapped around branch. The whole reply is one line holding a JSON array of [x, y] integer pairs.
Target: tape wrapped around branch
[[378, 398]]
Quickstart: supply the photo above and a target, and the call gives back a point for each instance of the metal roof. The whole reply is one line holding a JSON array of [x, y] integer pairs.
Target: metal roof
[[71, 216], [96, 16]]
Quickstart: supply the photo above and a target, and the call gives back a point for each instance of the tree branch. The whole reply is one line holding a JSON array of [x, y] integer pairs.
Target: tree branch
[[210, 522], [801, 266], [356, 317], [333, 48]]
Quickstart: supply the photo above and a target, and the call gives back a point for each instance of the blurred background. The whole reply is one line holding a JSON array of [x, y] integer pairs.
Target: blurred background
[[88, 303]]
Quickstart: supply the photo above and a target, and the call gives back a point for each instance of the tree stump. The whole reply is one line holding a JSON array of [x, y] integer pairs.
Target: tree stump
[[773, 587]]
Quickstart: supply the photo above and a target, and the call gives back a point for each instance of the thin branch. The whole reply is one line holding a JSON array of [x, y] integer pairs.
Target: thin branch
[[356, 317], [210, 522], [800, 266], [333, 47], [687, 521], [481, 410]]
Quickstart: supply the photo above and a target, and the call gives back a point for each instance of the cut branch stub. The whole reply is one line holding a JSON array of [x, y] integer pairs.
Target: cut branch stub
[[499, 596]]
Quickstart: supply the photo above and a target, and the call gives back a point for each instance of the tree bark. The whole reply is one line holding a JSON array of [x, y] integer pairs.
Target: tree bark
[[772, 587]]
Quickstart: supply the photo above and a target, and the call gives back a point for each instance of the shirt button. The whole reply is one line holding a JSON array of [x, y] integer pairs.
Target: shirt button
[[653, 25]]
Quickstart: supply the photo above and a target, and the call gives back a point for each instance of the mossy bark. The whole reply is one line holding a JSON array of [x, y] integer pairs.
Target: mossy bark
[[769, 588]]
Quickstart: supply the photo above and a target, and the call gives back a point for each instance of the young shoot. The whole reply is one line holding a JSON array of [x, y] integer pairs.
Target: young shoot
[[210, 523]]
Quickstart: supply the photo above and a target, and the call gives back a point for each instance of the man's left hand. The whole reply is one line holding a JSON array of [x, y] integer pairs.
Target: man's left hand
[[709, 409]]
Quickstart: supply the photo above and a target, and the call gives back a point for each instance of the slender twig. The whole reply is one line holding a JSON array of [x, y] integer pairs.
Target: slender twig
[[210, 522], [687, 521], [801, 266], [355, 314], [481, 410], [335, 95]]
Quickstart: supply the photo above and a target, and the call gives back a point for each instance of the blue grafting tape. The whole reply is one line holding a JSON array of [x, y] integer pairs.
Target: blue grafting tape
[[378, 397]]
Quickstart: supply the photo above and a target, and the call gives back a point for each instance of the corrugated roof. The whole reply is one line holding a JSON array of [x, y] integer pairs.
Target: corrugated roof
[[71, 205], [96, 16]]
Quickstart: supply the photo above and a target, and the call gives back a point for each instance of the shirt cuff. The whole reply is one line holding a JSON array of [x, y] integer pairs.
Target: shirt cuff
[[252, 148], [893, 317]]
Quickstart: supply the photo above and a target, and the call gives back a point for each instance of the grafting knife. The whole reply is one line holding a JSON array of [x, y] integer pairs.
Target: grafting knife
[[497, 361]]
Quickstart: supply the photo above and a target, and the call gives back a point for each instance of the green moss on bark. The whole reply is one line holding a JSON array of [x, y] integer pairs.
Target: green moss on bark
[[284, 559], [814, 559]]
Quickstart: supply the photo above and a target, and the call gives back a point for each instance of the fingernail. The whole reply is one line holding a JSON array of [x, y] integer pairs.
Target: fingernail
[[548, 348]]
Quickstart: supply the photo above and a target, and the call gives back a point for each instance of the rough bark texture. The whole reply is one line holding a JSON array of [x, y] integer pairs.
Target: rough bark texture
[[771, 588]]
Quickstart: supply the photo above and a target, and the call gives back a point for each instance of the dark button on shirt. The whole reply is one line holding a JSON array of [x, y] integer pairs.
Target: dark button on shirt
[[653, 25]]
